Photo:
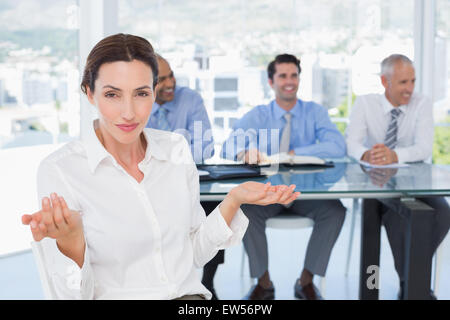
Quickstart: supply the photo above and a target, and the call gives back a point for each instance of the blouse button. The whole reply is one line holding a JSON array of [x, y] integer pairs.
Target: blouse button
[[141, 193]]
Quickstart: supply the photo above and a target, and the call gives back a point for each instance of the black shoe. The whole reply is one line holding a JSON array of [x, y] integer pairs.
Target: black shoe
[[308, 292], [257, 292]]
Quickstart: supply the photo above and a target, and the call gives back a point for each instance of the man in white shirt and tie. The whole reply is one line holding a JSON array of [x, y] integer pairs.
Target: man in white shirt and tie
[[396, 127]]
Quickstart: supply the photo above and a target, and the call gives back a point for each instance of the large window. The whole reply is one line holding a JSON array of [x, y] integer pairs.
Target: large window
[[441, 79], [39, 101], [219, 48], [226, 46]]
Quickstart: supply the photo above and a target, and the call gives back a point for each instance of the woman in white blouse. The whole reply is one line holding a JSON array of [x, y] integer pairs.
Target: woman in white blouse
[[121, 215]]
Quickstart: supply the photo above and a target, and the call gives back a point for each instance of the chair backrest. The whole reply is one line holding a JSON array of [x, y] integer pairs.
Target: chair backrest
[[289, 221], [39, 257]]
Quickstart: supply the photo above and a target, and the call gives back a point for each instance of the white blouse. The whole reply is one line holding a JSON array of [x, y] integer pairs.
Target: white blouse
[[143, 240], [370, 118]]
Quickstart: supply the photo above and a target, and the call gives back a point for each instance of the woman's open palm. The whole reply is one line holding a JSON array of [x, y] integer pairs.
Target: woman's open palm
[[264, 194], [54, 220]]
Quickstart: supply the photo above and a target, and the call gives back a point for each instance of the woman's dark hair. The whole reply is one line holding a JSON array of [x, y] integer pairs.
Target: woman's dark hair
[[118, 47], [282, 58]]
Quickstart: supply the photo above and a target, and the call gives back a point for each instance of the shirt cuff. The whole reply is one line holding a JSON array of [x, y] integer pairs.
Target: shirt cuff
[[225, 236], [67, 279], [357, 152], [402, 155]]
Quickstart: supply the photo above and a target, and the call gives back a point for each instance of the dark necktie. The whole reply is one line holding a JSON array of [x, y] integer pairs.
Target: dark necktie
[[391, 136]]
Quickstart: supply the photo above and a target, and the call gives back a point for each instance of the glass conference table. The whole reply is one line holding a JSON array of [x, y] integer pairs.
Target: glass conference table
[[348, 179]]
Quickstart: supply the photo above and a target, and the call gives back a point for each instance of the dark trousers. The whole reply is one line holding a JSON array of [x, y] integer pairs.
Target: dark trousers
[[209, 270], [328, 216], [396, 225]]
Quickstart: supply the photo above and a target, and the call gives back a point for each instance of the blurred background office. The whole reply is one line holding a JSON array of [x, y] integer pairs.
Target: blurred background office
[[220, 49]]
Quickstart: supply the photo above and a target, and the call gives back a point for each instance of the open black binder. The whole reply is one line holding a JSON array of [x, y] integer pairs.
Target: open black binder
[[228, 171], [327, 164], [231, 171]]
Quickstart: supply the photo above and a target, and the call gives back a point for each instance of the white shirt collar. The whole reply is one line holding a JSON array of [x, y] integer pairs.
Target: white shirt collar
[[387, 106], [96, 152], [154, 149]]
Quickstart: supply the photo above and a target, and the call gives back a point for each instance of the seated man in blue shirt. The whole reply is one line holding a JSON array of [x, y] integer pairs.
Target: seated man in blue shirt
[[290, 125], [181, 110]]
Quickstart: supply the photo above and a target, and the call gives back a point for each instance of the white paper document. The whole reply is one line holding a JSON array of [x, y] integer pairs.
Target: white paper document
[[203, 173], [291, 159], [392, 165]]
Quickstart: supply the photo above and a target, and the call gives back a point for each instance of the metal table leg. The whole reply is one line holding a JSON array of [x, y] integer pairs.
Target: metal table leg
[[370, 249], [418, 250]]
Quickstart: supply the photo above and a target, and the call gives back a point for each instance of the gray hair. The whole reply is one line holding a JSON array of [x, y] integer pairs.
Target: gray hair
[[387, 65]]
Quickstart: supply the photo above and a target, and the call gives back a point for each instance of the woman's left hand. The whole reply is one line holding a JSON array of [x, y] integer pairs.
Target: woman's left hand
[[251, 192], [263, 194]]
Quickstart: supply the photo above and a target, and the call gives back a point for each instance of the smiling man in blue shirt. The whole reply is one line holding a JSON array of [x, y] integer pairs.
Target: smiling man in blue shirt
[[312, 132], [291, 125], [181, 109]]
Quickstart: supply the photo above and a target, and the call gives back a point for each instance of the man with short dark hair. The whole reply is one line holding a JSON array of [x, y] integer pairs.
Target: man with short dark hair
[[296, 127], [396, 127]]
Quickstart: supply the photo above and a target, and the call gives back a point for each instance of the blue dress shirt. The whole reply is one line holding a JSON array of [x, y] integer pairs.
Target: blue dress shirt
[[187, 115], [312, 132]]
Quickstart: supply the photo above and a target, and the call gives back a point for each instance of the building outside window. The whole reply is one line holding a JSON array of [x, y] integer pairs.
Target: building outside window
[[227, 50], [39, 101], [441, 148]]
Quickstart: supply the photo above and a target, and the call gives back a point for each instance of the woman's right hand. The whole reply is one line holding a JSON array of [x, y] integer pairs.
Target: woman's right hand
[[55, 220]]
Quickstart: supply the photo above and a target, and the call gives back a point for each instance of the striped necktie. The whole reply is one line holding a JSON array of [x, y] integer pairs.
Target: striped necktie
[[391, 136], [161, 119], [286, 135]]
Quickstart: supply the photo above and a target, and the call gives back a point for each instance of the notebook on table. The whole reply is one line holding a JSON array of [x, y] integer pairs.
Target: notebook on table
[[209, 172]]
